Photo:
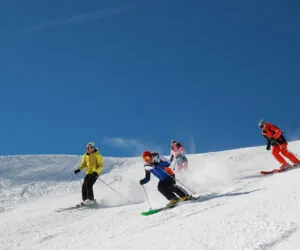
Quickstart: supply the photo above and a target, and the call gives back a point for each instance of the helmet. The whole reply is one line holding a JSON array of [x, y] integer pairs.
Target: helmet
[[147, 156], [90, 147], [173, 142], [146, 153], [261, 123]]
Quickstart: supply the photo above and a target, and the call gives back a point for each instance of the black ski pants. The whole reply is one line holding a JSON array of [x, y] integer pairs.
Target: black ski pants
[[169, 189], [87, 186]]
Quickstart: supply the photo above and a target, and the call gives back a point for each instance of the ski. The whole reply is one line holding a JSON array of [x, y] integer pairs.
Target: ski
[[269, 172], [77, 207], [68, 208], [156, 210], [277, 170]]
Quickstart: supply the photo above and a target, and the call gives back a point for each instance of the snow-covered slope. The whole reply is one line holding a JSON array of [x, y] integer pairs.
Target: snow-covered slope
[[240, 208]]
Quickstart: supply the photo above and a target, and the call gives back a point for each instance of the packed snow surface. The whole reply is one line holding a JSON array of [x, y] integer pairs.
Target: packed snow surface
[[240, 208]]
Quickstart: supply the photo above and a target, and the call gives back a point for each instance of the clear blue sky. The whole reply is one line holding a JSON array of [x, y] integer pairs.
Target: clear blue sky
[[134, 75]]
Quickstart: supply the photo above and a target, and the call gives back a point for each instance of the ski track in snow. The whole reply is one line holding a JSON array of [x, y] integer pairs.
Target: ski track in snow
[[239, 209]]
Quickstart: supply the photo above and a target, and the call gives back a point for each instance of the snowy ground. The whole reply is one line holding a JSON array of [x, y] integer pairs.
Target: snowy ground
[[240, 210]]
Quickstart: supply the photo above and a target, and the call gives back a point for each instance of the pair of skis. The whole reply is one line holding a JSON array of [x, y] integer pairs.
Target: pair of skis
[[156, 210], [78, 207], [277, 170]]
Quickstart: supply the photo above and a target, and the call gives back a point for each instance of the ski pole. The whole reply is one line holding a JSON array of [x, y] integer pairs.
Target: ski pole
[[71, 177], [82, 187], [147, 196], [114, 190], [79, 179], [285, 149], [183, 185], [175, 179]]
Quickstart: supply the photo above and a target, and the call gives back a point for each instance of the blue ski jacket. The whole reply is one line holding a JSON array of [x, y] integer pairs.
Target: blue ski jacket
[[161, 170]]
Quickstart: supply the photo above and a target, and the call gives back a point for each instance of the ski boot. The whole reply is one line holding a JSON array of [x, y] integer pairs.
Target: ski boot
[[296, 165], [173, 202], [285, 166], [185, 198], [89, 203]]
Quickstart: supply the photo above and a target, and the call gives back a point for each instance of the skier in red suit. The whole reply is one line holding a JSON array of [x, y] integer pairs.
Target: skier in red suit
[[275, 138]]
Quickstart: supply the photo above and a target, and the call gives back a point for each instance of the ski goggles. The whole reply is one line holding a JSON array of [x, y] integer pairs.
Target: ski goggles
[[89, 148], [147, 158]]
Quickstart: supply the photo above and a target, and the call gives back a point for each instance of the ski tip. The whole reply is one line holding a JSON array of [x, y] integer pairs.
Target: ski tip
[[266, 172], [151, 211], [273, 171]]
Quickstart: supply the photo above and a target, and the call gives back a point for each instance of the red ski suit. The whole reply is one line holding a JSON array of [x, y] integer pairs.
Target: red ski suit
[[279, 144]]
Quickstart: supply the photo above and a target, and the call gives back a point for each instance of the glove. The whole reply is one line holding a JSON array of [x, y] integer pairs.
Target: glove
[[268, 147], [142, 182], [76, 171]]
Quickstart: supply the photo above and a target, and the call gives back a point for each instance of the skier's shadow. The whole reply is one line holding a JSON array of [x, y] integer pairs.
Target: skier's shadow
[[217, 195]]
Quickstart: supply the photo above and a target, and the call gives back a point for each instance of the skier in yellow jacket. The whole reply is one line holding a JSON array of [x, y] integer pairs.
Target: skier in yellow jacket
[[93, 162]]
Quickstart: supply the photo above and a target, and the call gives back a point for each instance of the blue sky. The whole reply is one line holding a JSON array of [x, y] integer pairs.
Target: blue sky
[[133, 76]]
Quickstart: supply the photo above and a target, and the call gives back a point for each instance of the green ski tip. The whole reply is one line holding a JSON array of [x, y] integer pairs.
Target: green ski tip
[[151, 211]]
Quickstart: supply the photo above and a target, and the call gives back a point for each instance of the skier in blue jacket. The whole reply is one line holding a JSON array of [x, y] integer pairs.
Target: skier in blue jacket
[[155, 165]]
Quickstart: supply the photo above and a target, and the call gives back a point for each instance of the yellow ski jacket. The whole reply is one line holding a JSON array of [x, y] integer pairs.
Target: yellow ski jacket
[[93, 162]]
